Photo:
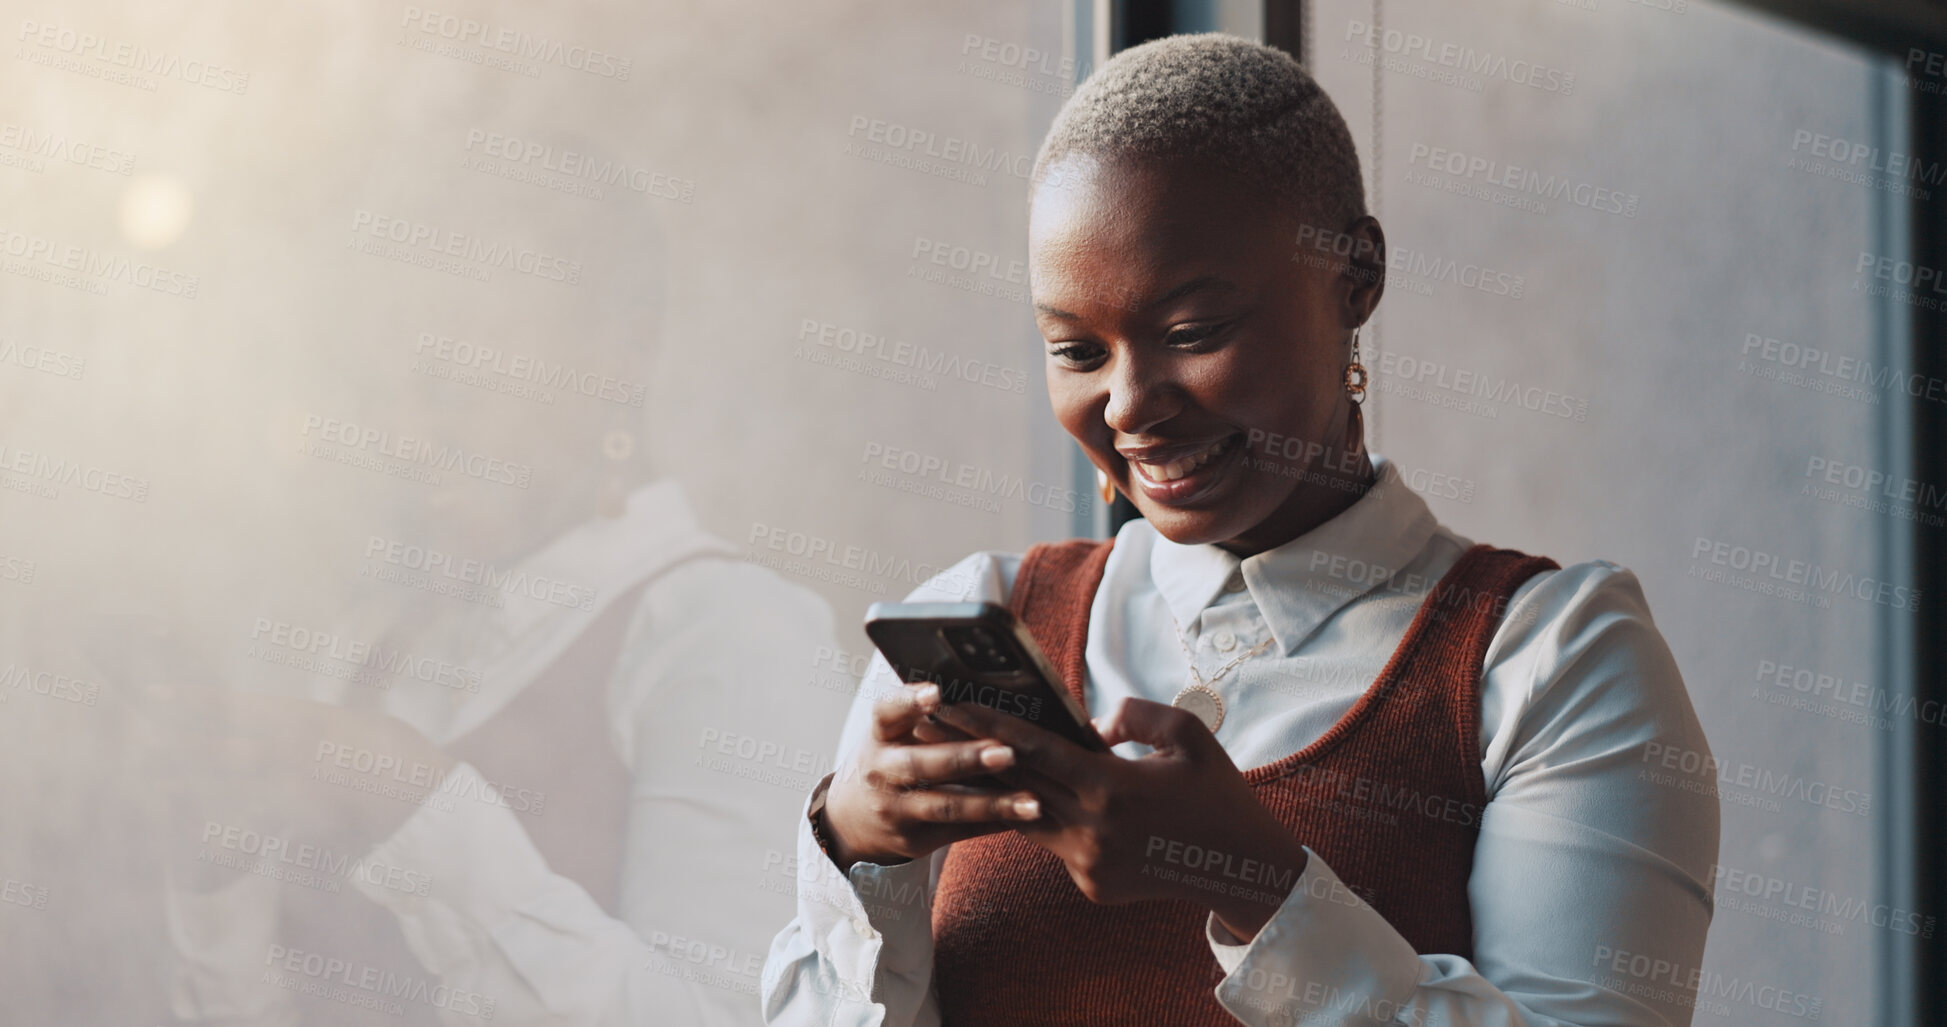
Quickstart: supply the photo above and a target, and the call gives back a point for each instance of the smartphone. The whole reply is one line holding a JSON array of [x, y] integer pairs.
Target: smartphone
[[978, 653]]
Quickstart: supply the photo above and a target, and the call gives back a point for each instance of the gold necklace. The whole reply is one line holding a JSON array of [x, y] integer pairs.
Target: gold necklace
[[1198, 696]]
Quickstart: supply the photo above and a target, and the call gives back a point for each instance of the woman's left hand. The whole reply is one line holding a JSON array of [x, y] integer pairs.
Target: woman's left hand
[[1179, 823]]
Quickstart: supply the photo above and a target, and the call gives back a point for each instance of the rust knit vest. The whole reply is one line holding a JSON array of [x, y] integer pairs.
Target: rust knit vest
[[1390, 797]]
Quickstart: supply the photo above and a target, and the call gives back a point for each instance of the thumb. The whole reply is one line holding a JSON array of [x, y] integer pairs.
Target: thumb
[[1154, 724]]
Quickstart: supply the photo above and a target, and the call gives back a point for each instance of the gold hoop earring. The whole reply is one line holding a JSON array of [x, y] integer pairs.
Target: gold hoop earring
[[1355, 374], [1104, 487]]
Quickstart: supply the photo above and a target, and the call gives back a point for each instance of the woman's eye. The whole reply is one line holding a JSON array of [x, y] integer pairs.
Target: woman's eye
[[1076, 352], [1190, 335]]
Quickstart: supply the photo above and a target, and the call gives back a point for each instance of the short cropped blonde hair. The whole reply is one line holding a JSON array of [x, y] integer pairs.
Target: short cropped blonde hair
[[1235, 103]]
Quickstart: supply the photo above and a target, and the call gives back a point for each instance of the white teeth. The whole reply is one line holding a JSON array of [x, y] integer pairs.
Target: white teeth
[[1182, 466]]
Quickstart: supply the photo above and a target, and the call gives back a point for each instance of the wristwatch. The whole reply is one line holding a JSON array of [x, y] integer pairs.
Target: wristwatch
[[816, 813]]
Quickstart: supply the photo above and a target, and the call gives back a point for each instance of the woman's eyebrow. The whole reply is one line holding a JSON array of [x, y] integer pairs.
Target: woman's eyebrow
[[1197, 284]]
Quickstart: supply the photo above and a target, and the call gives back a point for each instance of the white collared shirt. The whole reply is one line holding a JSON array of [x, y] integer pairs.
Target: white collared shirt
[[1590, 855]]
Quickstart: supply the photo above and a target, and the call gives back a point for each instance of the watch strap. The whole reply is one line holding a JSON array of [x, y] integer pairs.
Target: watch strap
[[816, 814]]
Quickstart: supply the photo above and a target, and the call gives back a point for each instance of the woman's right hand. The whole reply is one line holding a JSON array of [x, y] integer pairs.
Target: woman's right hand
[[902, 794]]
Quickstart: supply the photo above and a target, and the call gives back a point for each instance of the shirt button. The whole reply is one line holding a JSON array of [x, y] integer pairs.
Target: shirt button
[[1234, 583], [1225, 641], [864, 927]]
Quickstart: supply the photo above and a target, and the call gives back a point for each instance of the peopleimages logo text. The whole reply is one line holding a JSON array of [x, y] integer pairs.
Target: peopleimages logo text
[[1810, 575], [1526, 181]]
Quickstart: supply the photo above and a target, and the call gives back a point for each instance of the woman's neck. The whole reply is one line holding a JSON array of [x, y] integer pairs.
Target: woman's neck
[[1311, 504]]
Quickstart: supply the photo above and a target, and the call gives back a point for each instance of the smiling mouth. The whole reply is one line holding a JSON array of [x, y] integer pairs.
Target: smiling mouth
[[1164, 472]]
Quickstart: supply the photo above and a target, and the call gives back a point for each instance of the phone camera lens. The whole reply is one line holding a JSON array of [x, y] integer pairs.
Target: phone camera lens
[[982, 650]]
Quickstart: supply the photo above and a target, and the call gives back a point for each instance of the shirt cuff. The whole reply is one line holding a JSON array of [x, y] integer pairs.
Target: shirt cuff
[[1325, 957], [871, 910]]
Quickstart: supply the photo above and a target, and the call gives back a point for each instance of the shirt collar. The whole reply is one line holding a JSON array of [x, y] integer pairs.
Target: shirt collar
[[1300, 584], [608, 555], [584, 571]]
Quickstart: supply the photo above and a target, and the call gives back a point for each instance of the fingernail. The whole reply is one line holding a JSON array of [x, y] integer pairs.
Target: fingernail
[[1027, 809], [997, 757], [928, 695]]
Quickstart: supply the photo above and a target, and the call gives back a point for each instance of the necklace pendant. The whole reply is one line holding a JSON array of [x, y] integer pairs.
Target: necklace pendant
[[1203, 701]]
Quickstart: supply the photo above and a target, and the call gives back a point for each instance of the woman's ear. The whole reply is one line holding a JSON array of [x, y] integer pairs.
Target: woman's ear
[[1365, 271]]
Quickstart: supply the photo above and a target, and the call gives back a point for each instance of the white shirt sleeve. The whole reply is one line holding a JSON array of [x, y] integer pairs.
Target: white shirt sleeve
[[860, 951], [731, 729], [719, 652], [528, 945], [1584, 862]]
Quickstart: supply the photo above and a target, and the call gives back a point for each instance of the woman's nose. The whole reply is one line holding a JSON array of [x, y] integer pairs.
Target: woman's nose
[[1141, 395]]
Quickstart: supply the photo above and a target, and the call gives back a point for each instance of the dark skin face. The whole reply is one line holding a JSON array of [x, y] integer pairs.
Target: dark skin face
[[1180, 327]]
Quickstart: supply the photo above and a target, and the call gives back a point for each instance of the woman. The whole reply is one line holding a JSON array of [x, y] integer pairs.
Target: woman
[[1449, 814]]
